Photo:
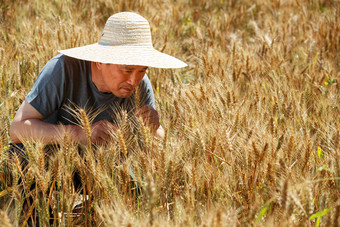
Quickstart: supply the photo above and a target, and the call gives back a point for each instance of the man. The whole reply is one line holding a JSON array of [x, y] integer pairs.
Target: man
[[101, 78]]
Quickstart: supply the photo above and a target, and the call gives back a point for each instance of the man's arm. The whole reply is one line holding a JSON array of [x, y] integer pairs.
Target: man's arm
[[28, 124]]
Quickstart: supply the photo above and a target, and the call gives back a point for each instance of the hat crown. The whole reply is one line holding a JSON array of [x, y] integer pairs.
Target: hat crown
[[126, 40], [126, 29]]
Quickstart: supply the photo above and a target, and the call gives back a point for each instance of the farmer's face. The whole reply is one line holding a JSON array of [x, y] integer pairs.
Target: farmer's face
[[122, 80]]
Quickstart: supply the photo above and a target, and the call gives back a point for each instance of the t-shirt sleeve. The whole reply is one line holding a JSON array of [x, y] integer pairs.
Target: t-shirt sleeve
[[146, 94], [46, 95]]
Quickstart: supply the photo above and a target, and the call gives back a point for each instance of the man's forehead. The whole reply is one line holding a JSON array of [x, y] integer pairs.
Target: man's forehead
[[132, 67]]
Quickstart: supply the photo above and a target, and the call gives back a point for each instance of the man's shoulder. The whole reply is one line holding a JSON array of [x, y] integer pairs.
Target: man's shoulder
[[68, 66], [146, 83], [66, 61]]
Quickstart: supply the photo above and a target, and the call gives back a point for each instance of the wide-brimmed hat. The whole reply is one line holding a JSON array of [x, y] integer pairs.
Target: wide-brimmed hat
[[126, 40]]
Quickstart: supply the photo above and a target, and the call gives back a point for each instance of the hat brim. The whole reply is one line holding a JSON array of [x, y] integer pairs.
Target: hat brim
[[124, 55]]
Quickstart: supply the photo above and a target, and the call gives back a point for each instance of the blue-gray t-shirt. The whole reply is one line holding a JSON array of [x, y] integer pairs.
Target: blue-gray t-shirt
[[65, 83]]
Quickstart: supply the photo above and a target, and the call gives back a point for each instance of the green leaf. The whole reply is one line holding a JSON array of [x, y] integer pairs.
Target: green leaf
[[216, 160], [6, 191], [320, 152], [320, 169], [324, 168], [5, 7], [319, 214], [262, 213]]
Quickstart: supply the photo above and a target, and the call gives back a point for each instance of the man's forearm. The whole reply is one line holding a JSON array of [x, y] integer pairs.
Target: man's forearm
[[38, 130]]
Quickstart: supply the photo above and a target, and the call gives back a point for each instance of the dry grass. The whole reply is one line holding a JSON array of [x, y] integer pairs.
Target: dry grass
[[252, 125]]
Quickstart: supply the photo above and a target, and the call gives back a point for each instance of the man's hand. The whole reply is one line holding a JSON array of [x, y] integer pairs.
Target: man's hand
[[150, 117], [100, 132]]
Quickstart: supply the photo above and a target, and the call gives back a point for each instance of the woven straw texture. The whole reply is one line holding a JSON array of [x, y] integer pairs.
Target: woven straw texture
[[126, 40]]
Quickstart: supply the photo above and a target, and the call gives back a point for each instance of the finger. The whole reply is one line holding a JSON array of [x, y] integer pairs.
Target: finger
[[104, 125], [112, 126], [100, 137], [151, 117], [100, 132], [98, 126], [148, 113], [107, 126], [104, 138], [152, 120], [143, 109]]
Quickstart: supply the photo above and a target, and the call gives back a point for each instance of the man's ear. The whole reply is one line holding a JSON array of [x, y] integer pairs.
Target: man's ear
[[98, 65]]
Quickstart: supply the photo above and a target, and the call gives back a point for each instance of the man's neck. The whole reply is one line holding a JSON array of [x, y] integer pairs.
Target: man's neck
[[96, 77]]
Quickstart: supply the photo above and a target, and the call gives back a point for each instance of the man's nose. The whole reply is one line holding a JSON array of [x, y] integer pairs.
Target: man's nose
[[133, 79]]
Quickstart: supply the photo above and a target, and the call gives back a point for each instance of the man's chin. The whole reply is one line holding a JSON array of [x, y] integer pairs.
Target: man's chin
[[124, 95]]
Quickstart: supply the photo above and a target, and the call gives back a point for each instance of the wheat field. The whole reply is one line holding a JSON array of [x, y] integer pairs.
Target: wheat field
[[252, 125]]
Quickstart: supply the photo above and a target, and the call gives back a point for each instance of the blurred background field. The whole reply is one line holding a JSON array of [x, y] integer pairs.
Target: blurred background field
[[252, 124]]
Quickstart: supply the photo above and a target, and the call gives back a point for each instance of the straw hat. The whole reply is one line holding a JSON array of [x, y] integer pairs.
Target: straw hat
[[126, 40]]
